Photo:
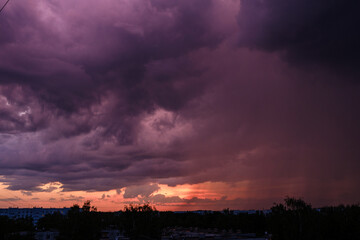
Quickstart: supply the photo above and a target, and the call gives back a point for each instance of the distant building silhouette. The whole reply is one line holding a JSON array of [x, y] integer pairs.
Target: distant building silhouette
[[34, 213]]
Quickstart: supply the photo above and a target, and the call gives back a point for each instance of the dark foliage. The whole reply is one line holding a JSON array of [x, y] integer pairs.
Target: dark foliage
[[255, 223], [297, 220], [141, 221], [16, 229], [81, 224], [294, 219]]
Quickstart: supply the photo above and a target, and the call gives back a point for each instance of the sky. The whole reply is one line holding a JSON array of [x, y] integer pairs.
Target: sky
[[183, 104]]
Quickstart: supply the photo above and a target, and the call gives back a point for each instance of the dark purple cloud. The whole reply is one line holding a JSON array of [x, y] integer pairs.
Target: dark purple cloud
[[73, 198], [308, 32], [10, 200], [49, 51], [101, 96], [75, 88]]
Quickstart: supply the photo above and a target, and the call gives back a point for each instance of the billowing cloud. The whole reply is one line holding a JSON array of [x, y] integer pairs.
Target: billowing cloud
[[134, 94], [142, 190], [63, 83]]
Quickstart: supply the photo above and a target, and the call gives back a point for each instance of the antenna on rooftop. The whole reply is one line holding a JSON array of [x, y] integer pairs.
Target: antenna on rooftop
[[2, 8]]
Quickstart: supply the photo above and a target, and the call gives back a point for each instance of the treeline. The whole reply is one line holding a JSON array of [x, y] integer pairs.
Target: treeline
[[297, 220], [294, 219], [14, 229]]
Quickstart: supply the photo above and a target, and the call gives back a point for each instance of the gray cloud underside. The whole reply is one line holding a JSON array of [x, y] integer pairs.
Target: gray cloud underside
[[134, 92]]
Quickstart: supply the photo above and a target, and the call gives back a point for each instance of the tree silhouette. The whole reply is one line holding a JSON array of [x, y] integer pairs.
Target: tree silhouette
[[81, 223], [142, 221]]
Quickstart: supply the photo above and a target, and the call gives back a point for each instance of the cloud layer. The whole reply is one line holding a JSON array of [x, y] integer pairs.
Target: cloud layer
[[309, 32], [100, 96]]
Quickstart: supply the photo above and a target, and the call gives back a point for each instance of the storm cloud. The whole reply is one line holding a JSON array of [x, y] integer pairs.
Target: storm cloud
[[308, 32], [96, 96]]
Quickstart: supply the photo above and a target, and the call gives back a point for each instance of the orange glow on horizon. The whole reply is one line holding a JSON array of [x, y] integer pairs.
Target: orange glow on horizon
[[206, 196], [52, 195]]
